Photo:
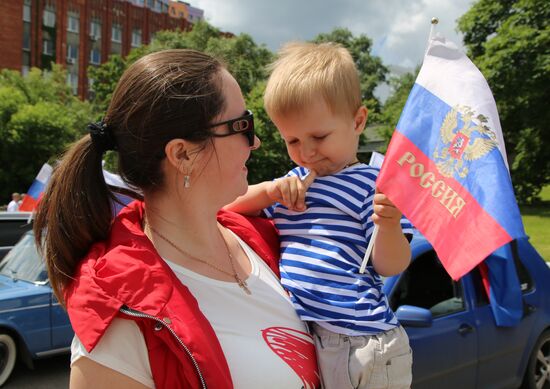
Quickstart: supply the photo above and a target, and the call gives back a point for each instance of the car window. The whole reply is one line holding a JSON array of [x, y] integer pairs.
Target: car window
[[481, 295], [525, 280], [12, 227], [426, 284], [23, 261]]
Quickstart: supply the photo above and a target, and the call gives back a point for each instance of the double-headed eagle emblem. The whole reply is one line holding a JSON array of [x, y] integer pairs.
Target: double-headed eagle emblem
[[460, 144]]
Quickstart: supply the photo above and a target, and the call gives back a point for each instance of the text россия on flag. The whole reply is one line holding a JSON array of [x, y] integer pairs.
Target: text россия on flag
[[446, 168]]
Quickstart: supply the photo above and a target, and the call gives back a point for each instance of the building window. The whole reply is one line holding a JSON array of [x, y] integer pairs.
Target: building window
[[116, 33], [48, 18], [95, 56], [73, 23], [136, 37], [72, 81], [91, 93], [95, 30], [139, 3], [158, 6], [150, 4], [27, 11], [47, 47], [26, 63], [26, 36], [72, 54]]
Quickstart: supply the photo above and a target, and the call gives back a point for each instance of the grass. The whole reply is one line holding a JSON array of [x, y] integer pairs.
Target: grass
[[536, 219]]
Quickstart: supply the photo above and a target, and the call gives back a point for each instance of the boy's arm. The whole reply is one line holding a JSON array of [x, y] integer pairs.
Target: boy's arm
[[290, 191], [391, 253], [253, 201]]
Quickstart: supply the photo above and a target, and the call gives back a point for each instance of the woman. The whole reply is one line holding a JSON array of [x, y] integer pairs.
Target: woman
[[171, 293]]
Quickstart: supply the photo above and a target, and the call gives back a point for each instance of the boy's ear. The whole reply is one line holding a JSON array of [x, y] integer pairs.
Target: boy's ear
[[361, 119]]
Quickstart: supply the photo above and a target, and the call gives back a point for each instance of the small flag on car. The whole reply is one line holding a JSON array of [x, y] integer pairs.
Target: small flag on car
[[33, 195]]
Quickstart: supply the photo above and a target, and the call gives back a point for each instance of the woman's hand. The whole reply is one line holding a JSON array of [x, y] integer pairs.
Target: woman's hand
[[291, 191]]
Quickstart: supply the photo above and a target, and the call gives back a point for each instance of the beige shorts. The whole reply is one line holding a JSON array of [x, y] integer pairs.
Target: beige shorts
[[374, 362]]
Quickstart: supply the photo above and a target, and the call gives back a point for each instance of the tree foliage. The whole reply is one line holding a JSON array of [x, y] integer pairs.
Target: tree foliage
[[401, 87], [271, 159], [247, 62], [39, 117], [510, 42], [243, 57], [371, 70]]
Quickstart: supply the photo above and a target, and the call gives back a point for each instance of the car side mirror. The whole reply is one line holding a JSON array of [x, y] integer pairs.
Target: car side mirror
[[412, 316]]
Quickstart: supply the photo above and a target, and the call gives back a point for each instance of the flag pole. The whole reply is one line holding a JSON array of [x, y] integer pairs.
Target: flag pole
[[433, 22], [370, 246], [369, 249]]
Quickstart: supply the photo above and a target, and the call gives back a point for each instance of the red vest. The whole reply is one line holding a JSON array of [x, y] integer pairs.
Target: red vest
[[125, 277]]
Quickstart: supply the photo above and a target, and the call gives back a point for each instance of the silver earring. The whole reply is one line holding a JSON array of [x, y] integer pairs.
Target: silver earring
[[186, 181]]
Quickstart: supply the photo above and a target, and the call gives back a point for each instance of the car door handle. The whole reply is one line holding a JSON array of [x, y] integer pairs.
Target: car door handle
[[528, 309], [465, 329]]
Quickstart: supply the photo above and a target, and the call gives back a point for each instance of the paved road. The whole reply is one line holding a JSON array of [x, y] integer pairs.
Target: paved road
[[50, 373]]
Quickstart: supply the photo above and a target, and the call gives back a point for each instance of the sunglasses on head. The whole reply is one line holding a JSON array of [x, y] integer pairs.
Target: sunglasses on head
[[241, 125]]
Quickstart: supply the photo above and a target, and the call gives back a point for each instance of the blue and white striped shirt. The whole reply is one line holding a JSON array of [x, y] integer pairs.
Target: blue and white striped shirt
[[322, 250]]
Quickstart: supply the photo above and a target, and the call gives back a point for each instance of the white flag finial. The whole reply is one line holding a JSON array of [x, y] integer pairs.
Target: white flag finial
[[433, 22]]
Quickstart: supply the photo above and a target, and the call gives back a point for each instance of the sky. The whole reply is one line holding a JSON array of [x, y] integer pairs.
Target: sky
[[399, 29]]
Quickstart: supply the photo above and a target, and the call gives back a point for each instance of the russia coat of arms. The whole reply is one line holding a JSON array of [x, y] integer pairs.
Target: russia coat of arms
[[461, 146]]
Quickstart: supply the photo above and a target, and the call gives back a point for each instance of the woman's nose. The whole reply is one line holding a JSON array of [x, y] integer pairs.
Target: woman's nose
[[257, 143]]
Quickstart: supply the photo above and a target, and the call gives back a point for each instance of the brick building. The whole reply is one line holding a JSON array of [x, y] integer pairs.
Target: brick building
[[182, 9], [78, 33]]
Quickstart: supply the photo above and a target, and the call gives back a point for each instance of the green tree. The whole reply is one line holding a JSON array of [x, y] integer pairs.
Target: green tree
[[247, 62], [244, 58], [510, 42], [391, 111], [39, 117], [371, 70], [271, 159]]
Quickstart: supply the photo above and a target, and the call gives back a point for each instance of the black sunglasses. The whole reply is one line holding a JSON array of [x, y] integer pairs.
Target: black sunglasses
[[241, 125]]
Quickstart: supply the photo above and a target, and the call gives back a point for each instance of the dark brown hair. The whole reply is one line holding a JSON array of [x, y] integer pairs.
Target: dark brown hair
[[164, 95]]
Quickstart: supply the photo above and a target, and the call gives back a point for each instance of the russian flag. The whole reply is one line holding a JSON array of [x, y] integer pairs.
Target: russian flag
[[446, 170], [33, 195]]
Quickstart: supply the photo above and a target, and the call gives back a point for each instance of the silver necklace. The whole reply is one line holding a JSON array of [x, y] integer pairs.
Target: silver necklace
[[242, 283]]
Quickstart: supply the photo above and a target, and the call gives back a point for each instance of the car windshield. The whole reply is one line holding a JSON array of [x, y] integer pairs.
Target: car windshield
[[23, 261]]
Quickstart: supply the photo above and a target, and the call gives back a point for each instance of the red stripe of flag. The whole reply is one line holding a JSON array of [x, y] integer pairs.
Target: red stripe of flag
[[439, 207]]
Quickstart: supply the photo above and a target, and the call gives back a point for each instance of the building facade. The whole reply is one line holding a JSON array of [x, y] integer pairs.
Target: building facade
[[78, 33], [182, 9]]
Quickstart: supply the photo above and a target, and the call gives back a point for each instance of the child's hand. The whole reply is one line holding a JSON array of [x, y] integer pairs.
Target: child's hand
[[291, 191], [386, 215]]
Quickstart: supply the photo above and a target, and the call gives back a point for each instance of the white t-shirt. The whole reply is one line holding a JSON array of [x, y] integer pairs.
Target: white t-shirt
[[263, 340], [13, 206]]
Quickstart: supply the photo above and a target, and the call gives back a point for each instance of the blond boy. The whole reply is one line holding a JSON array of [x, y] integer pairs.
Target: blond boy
[[325, 210]]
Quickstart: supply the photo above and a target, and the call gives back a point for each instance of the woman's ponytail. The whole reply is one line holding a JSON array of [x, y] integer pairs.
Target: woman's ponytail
[[74, 212], [162, 96]]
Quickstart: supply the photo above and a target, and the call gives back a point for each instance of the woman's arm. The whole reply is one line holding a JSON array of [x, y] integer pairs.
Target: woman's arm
[[86, 374]]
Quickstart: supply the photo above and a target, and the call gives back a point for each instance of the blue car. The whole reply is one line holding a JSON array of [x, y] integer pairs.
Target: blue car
[[450, 324], [451, 328], [32, 322]]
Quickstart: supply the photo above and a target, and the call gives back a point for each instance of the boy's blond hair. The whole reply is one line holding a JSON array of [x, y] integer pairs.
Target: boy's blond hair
[[304, 71]]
